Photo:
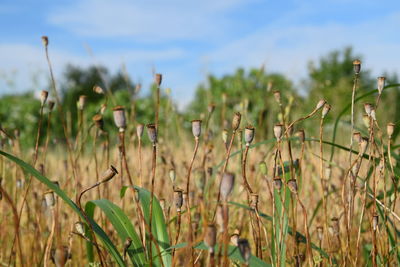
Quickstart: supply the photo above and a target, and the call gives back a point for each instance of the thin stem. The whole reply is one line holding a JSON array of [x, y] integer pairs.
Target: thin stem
[[153, 167]]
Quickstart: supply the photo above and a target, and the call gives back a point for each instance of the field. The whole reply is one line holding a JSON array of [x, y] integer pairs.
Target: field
[[159, 194]]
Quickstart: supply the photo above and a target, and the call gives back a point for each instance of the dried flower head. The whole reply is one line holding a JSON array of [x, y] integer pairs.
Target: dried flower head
[[98, 121], [227, 183], [60, 256], [248, 135], [375, 221], [119, 117], [196, 128], [158, 79], [236, 120], [139, 130], [178, 199], [325, 110], [219, 218], [81, 102], [278, 183], [43, 97], [80, 228], [172, 175], [51, 105], [211, 108], [210, 237], [49, 198], [357, 137], [320, 104], [335, 229], [108, 174], [244, 249], [152, 133], [390, 129], [98, 90], [320, 233], [45, 41], [368, 108], [225, 136], [278, 131], [357, 66], [103, 108], [235, 239], [363, 145], [254, 201], [292, 184], [381, 84]]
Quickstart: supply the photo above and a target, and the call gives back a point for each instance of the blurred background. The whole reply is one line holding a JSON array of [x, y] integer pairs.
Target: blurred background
[[229, 53]]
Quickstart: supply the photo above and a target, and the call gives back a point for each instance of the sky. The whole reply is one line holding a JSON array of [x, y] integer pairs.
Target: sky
[[187, 40]]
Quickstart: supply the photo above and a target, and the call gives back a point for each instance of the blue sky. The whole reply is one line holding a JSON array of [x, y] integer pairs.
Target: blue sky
[[185, 40]]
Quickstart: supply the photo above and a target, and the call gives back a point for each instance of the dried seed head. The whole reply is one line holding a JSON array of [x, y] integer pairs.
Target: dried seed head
[[381, 84], [277, 95], [103, 108], [335, 226], [325, 110], [51, 105], [373, 114], [178, 199], [263, 168], [172, 175], [152, 133], [390, 129], [196, 128], [60, 255], [357, 66], [375, 221], [301, 135], [292, 184], [236, 120], [234, 239], [363, 145], [81, 102], [278, 183], [278, 131], [320, 104], [225, 136], [254, 201], [357, 137], [139, 130], [98, 121], [98, 90], [49, 198], [368, 108], [210, 237], [211, 108], [320, 233], [109, 174], [248, 135], [45, 41], [43, 97], [227, 183], [80, 228], [119, 117], [244, 249], [158, 79], [219, 218]]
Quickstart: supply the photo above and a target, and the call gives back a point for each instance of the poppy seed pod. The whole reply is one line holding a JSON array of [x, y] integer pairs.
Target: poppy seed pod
[[320, 104], [263, 168], [320, 233], [381, 84], [375, 221], [172, 175], [210, 237], [368, 108], [82, 102], [158, 79], [60, 256], [390, 129], [277, 95], [234, 239], [278, 183], [45, 41], [152, 133], [109, 174], [119, 117], [51, 105], [244, 249], [325, 110], [196, 128], [335, 229], [301, 135], [43, 97], [80, 228], [178, 199], [248, 135], [373, 114], [278, 131], [357, 137], [236, 120], [98, 90], [49, 198], [98, 121], [292, 184], [357, 66], [139, 130], [227, 183]]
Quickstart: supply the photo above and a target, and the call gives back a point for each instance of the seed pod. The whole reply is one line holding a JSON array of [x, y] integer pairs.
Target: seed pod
[[278, 183], [381, 84], [98, 90], [80, 228], [119, 117], [248, 135], [363, 145], [82, 102], [103, 108], [158, 79], [139, 130], [277, 95], [254, 201], [278, 131], [390, 129], [98, 121], [51, 105], [320, 233], [244, 249], [225, 136], [320, 104], [45, 41], [368, 108], [236, 120], [172, 175], [227, 183], [219, 218], [301, 135], [335, 226], [49, 198], [178, 199], [152, 133], [211, 108], [325, 110], [60, 256], [375, 220], [108, 174], [373, 114], [196, 128], [43, 97], [263, 168], [210, 237], [357, 137], [292, 184], [185, 198], [357, 66]]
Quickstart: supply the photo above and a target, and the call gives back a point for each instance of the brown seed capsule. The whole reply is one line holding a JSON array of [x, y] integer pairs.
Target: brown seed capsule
[[278, 131], [277, 95], [278, 183], [80, 228], [320, 233], [320, 104], [119, 117], [178, 199], [335, 226], [244, 249], [368, 108], [357, 66], [98, 90], [325, 110], [236, 120], [43, 97], [49, 198], [210, 237], [98, 121], [60, 256], [196, 128], [301, 135], [254, 201], [51, 105], [158, 79], [381, 84], [390, 129], [172, 175], [357, 137], [375, 220], [139, 130], [292, 184], [248, 135], [152, 133], [227, 183], [45, 41], [108, 174], [81, 102]]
